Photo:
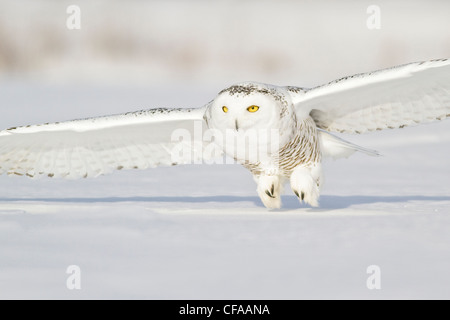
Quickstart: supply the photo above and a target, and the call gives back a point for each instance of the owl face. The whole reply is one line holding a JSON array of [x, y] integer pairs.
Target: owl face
[[247, 106], [249, 120]]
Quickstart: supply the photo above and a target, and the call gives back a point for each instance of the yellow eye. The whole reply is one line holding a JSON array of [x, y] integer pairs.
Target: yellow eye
[[252, 108], [225, 109]]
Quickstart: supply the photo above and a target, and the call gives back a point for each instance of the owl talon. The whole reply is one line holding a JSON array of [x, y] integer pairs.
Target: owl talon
[[269, 190], [301, 196], [269, 194]]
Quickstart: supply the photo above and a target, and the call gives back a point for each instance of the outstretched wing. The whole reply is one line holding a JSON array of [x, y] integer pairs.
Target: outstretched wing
[[91, 147], [391, 98]]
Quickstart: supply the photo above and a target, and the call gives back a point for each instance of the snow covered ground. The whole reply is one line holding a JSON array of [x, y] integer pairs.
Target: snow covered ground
[[200, 232]]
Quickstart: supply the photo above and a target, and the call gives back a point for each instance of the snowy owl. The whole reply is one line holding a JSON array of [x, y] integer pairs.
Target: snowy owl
[[279, 133]]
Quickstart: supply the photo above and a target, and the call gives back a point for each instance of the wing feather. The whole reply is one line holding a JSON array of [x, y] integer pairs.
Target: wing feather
[[95, 146], [390, 98]]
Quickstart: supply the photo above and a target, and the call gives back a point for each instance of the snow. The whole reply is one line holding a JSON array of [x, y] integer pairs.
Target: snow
[[200, 231]]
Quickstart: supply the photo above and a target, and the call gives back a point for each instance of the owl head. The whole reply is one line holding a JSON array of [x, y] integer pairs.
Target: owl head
[[249, 105], [251, 112]]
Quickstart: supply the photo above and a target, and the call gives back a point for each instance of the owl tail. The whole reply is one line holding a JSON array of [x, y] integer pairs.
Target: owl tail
[[335, 147]]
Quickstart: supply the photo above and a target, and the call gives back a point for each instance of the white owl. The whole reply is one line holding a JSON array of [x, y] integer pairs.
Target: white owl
[[279, 133]]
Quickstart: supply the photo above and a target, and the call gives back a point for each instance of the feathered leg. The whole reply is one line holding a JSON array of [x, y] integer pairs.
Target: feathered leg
[[269, 190], [306, 182]]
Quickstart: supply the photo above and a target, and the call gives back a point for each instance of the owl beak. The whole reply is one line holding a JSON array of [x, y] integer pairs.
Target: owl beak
[[236, 125]]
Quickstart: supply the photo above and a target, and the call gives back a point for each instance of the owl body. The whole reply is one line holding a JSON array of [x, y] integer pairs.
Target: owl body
[[272, 141]]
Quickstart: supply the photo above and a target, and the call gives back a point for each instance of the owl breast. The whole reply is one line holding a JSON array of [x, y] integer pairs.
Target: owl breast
[[302, 149]]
